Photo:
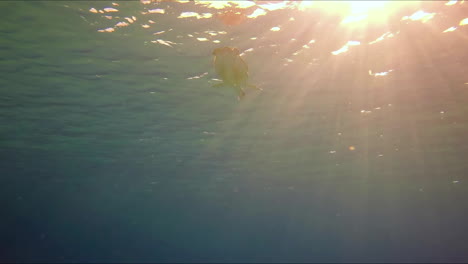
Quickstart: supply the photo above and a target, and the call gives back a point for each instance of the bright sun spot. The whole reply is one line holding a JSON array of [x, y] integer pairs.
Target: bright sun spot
[[354, 11], [364, 7]]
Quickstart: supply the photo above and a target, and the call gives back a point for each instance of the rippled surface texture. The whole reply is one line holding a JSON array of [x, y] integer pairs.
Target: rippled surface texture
[[116, 147]]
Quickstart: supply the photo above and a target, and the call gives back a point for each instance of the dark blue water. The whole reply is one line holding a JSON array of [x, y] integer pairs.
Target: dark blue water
[[111, 150]]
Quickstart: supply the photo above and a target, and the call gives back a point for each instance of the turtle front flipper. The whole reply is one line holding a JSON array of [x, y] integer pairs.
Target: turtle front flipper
[[216, 85]]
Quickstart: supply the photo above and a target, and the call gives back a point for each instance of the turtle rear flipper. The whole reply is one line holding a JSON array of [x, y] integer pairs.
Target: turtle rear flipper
[[241, 94]]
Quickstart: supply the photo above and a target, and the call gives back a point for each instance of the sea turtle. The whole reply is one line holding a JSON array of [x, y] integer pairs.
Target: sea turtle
[[232, 69]]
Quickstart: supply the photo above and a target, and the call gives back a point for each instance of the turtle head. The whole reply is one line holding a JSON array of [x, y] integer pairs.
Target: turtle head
[[226, 50], [235, 51]]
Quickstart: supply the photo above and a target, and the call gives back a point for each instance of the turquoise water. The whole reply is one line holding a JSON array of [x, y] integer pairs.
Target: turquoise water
[[115, 147]]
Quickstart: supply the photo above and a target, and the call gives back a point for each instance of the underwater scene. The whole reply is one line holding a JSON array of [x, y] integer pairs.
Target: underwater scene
[[233, 131]]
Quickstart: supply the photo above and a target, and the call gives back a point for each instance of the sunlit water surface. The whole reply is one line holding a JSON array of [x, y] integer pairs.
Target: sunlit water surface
[[115, 147]]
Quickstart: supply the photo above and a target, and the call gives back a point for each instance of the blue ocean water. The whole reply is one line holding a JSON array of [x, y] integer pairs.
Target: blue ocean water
[[116, 147]]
